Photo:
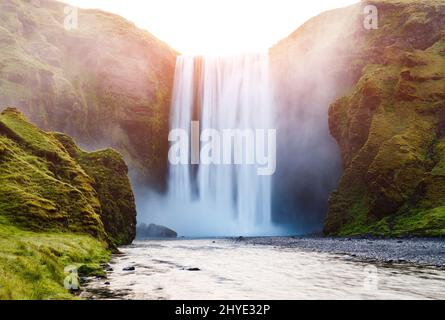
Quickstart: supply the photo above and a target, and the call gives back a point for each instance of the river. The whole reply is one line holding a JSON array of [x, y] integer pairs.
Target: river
[[229, 269]]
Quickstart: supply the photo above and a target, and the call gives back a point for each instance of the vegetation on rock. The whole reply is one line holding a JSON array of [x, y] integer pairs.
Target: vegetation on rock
[[109, 173], [106, 82], [59, 205], [390, 119], [42, 187], [47, 182], [390, 127]]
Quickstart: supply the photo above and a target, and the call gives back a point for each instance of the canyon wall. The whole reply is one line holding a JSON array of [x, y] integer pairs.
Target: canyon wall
[[390, 127], [106, 82], [48, 184], [388, 118]]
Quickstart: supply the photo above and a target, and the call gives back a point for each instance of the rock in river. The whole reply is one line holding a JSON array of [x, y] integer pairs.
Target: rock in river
[[154, 231]]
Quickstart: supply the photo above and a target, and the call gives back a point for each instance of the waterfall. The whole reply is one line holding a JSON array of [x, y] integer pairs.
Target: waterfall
[[221, 93]]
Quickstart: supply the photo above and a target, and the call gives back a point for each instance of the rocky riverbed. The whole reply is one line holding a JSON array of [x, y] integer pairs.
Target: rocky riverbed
[[422, 252]]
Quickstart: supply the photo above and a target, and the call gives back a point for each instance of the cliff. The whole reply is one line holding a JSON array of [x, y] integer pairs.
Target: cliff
[[390, 127], [105, 82], [110, 180], [47, 184], [59, 206], [388, 117]]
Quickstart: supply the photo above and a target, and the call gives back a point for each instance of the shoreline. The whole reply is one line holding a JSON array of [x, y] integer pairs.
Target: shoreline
[[423, 252], [418, 251]]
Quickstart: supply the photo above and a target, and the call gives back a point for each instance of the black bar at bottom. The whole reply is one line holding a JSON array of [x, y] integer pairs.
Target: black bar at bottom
[[221, 309]]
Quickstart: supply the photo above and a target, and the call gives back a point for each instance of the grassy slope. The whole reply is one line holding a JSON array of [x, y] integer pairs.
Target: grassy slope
[[390, 127], [52, 213], [32, 263], [41, 186]]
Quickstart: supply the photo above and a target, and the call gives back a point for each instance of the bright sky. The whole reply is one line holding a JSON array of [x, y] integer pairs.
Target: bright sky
[[217, 26]]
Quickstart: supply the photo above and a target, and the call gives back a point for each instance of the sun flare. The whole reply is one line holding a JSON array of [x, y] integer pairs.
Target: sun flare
[[216, 27]]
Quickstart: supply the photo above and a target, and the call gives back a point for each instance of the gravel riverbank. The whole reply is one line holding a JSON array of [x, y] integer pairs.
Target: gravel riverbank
[[423, 252]]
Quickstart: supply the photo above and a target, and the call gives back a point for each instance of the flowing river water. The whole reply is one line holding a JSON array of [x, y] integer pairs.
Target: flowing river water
[[229, 269]]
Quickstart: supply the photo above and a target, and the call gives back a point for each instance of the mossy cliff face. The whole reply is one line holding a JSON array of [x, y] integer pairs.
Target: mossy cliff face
[[391, 127], [109, 173], [106, 82], [48, 183], [389, 121]]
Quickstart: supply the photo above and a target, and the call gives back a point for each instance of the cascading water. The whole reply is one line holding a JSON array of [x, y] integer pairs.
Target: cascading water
[[289, 89], [245, 92], [221, 93]]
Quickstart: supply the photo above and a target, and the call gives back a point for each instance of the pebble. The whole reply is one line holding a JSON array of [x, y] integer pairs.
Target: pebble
[[418, 251], [193, 269]]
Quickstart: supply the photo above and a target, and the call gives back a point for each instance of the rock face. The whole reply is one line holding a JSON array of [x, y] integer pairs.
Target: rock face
[[389, 121], [48, 183], [154, 231], [390, 127], [110, 180], [106, 82]]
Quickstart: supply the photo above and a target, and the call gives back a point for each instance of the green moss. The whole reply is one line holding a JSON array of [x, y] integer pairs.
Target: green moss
[[118, 211], [429, 223], [105, 83], [439, 152], [42, 187], [91, 270], [59, 206], [390, 128], [48, 183]]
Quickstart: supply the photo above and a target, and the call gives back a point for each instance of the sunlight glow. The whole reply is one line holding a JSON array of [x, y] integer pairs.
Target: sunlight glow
[[217, 27]]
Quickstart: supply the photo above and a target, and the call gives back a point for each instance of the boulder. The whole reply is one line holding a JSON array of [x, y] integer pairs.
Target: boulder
[[154, 231]]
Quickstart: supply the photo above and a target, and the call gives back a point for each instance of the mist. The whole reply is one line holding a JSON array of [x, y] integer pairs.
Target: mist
[[309, 73], [306, 75], [195, 219]]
